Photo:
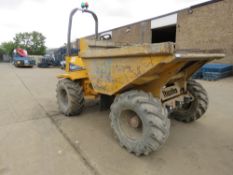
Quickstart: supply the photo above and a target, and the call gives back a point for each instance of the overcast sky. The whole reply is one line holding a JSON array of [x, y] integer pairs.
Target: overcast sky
[[50, 17]]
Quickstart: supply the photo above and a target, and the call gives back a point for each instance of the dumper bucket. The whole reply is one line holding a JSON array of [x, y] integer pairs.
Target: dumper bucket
[[113, 67]]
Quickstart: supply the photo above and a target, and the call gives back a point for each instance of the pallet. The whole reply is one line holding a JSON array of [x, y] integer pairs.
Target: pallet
[[197, 75], [213, 76], [213, 72], [217, 68]]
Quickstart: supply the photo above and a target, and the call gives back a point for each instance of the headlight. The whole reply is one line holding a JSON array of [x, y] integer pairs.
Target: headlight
[[74, 67], [18, 62]]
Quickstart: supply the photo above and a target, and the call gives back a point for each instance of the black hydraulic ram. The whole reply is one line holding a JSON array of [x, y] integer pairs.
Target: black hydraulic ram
[[70, 26]]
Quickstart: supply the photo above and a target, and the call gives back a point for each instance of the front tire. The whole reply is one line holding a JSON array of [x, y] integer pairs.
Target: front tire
[[139, 122], [70, 97], [195, 109]]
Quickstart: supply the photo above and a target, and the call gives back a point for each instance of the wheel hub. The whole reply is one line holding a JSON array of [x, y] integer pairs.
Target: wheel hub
[[131, 125], [134, 121]]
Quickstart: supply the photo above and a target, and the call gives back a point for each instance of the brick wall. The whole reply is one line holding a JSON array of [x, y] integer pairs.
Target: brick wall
[[207, 27], [135, 33]]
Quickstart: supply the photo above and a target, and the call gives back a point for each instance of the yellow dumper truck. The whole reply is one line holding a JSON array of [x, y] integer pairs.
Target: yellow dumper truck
[[144, 85]]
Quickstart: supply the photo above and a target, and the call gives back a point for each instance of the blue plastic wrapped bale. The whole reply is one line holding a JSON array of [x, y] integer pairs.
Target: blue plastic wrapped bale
[[213, 76], [197, 75], [217, 68]]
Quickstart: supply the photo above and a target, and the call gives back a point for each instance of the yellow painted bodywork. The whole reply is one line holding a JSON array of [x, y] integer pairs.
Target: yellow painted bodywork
[[110, 70], [111, 76], [78, 75], [74, 75]]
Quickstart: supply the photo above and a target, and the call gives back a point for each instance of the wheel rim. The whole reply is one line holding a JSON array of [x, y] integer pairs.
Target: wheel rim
[[131, 124], [64, 98], [189, 106]]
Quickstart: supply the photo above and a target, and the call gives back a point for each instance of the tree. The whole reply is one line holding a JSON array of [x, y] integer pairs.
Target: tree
[[33, 42], [7, 47], [2, 51]]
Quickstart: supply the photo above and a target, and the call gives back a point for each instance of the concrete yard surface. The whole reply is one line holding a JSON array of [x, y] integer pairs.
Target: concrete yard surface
[[36, 139]]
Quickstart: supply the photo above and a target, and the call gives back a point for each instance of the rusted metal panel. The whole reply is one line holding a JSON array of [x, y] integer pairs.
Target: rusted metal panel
[[199, 56], [129, 51], [108, 76]]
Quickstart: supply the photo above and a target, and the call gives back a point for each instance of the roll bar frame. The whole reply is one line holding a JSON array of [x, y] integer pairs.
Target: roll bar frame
[[70, 26]]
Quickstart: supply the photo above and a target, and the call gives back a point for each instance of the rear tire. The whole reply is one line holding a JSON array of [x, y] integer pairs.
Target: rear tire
[[196, 108], [153, 130], [70, 97]]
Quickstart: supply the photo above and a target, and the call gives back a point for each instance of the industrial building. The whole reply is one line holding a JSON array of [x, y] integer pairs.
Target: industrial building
[[204, 26]]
